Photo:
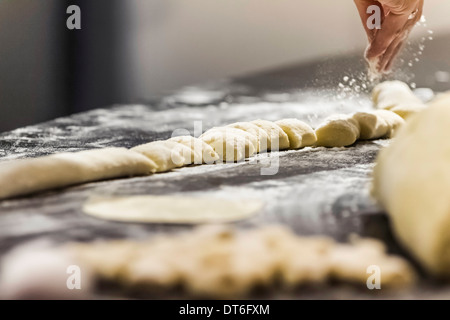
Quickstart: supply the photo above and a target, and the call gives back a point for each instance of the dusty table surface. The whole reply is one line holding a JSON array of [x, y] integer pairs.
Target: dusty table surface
[[316, 191]]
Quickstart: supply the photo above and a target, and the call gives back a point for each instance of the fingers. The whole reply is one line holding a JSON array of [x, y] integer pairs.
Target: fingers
[[388, 61], [362, 6], [391, 28], [397, 44]]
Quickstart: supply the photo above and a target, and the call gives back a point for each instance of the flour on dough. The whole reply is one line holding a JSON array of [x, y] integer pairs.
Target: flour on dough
[[171, 209]]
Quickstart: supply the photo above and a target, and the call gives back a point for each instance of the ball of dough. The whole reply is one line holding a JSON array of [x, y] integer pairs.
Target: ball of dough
[[337, 131], [390, 94], [277, 138], [253, 129], [230, 144], [372, 125], [201, 151], [299, 133], [412, 182], [393, 120]]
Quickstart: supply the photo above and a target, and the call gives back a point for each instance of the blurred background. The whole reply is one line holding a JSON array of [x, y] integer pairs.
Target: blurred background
[[129, 51]]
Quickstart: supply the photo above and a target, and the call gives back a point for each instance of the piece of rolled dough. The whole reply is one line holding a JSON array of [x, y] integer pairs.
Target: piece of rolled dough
[[407, 110], [390, 94], [251, 141], [372, 125], [277, 138], [26, 176], [412, 182], [166, 154], [171, 209], [253, 129], [393, 120], [299, 133], [231, 145], [202, 152], [337, 131], [378, 124]]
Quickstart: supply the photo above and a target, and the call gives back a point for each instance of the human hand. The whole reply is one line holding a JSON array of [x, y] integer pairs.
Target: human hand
[[398, 17]]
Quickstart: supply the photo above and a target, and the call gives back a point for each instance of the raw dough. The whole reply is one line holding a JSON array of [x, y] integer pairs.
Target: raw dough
[[171, 209], [412, 182], [390, 94], [378, 124], [22, 177], [393, 120], [349, 263], [337, 131], [299, 133], [166, 154], [407, 110], [201, 151], [251, 141], [372, 125], [220, 262], [277, 138], [253, 129], [230, 144]]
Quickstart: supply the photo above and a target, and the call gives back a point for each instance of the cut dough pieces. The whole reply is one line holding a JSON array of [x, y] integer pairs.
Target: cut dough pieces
[[378, 124], [22, 177], [166, 154], [201, 151], [253, 129], [337, 131], [412, 182], [398, 98], [299, 133], [277, 138], [220, 262], [230, 144], [372, 125], [394, 121], [407, 110], [171, 209], [390, 94]]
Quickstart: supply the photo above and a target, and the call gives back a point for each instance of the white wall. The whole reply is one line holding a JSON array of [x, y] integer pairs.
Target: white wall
[[179, 42]]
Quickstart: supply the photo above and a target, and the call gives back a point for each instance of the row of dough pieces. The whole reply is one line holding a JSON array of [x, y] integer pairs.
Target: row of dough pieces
[[231, 143], [218, 261]]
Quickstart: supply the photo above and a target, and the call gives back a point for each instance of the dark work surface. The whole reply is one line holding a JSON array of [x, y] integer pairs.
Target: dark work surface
[[316, 191]]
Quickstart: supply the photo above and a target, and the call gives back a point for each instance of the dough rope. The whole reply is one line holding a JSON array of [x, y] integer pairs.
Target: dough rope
[[230, 143], [27, 176]]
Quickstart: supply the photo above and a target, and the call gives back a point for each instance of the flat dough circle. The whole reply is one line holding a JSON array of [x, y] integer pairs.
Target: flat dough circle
[[171, 209]]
